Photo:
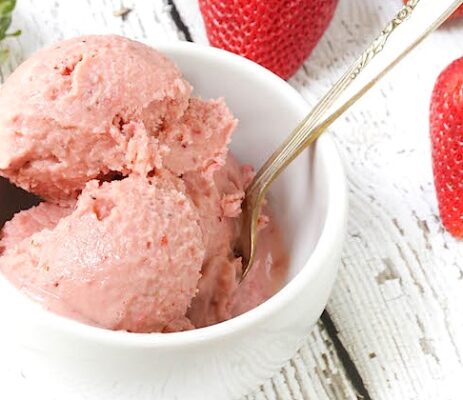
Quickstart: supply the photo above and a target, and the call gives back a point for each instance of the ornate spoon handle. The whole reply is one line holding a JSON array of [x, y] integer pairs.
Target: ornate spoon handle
[[406, 30]]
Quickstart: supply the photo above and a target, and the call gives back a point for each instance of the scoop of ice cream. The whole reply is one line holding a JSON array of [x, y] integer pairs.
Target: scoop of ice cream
[[93, 106], [128, 256], [85, 107]]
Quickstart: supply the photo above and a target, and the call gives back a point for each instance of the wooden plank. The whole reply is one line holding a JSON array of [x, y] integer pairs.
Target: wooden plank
[[399, 291], [315, 372], [176, 17]]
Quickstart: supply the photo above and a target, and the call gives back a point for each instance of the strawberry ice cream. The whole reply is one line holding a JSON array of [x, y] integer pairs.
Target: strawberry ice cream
[[142, 279], [219, 203], [91, 106], [141, 198]]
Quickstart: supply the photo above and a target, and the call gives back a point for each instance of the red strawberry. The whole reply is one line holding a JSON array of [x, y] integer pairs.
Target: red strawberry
[[446, 124], [278, 34], [456, 14]]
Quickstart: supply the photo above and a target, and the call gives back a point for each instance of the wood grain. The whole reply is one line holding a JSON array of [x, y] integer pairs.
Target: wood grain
[[394, 327]]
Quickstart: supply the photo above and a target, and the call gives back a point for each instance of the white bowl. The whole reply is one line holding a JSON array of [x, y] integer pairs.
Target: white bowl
[[230, 359]]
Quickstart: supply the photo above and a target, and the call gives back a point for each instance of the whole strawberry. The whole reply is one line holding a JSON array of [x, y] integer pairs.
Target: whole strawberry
[[278, 34], [446, 124]]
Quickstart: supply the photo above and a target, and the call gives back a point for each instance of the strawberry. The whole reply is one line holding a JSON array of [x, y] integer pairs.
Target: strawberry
[[456, 14], [278, 34], [446, 128]]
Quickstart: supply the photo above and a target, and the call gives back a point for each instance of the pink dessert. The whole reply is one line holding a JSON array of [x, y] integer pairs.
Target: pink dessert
[[91, 106], [142, 200]]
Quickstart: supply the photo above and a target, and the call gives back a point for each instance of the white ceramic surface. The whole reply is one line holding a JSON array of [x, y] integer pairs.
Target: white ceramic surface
[[230, 359]]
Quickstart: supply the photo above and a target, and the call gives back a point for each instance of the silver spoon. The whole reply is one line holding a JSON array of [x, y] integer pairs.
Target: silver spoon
[[406, 30]]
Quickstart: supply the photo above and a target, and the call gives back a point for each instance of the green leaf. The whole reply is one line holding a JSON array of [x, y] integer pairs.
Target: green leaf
[[7, 6], [5, 22], [4, 53], [14, 34], [6, 9]]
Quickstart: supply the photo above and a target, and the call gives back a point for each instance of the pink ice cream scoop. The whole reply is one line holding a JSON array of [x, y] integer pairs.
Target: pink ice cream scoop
[[142, 200], [93, 106], [127, 256]]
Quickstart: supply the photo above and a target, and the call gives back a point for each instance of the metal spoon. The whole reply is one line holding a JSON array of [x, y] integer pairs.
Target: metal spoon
[[406, 30]]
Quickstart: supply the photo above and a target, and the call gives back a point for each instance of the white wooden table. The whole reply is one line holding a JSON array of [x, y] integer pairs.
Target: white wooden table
[[393, 328]]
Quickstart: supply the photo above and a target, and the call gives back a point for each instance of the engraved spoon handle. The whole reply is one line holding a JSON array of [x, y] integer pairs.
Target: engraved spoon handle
[[409, 27]]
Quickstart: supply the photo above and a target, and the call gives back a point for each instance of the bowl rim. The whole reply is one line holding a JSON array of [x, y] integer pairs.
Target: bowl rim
[[332, 232]]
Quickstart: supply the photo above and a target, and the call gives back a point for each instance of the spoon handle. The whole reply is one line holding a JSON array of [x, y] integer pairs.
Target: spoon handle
[[407, 29]]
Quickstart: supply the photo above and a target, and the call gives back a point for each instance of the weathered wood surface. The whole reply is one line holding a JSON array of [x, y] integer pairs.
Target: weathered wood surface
[[393, 328]]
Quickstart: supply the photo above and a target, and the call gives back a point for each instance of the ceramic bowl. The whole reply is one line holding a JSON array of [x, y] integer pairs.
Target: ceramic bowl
[[226, 361]]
